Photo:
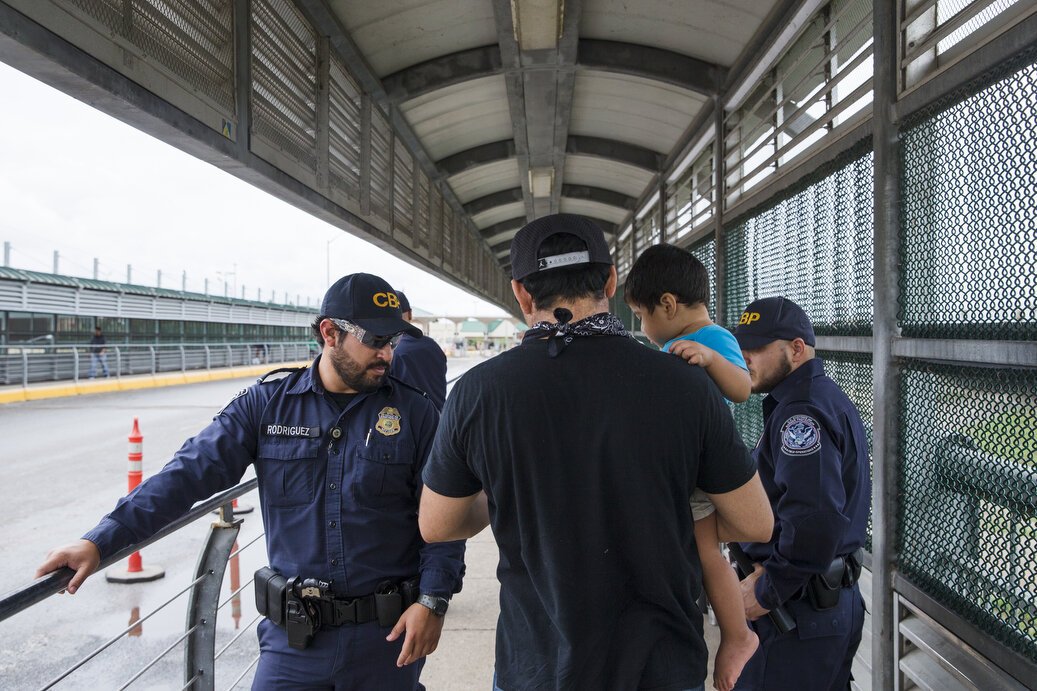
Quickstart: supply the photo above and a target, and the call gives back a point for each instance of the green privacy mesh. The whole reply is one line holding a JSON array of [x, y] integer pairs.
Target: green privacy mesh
[[705, 252], [969, 212], [967, 529], [814, 247]]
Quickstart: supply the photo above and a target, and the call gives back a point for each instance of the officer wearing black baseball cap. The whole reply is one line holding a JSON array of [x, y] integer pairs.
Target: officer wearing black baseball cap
[[336, 447], [813, 460]]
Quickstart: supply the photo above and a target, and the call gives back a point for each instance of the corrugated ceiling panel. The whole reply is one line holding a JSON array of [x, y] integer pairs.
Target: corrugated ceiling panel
[[461, 116]]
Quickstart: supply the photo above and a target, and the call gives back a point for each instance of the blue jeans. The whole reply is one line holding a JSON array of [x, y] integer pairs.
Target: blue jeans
[[98, 358]]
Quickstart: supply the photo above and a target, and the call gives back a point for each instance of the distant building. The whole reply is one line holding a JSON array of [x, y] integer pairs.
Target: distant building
[[443, 331], [504, 333], [473, 332]]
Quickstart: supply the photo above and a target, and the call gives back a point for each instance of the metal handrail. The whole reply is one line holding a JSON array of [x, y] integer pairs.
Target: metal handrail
[[25, 363], [56, 581], [204, 591]]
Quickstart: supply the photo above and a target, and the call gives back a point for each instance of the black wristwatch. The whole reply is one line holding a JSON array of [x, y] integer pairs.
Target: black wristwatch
[[435, 603]]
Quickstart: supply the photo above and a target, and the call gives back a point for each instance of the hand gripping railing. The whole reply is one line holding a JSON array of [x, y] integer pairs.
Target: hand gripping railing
[[200, 630]]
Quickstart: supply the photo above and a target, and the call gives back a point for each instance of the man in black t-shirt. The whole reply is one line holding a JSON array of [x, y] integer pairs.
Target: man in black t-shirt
[[581, 448]]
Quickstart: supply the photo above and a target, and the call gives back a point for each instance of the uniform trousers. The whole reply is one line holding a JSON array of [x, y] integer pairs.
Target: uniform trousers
[[815, 656], [351, 657]]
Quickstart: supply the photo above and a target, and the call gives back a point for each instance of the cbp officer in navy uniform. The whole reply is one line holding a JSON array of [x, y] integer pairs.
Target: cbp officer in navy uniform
[[338, 448], [813, 460], [419, 361]]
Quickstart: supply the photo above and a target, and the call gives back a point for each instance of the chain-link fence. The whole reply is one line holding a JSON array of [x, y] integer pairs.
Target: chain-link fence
[[966, 461], [967, 532], [814, 247]]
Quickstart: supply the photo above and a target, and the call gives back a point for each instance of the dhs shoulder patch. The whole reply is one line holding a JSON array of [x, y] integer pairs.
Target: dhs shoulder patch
[[800, 436]]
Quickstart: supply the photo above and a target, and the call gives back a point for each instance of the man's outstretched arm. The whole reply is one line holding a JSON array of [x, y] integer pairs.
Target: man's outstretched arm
[[443, 518]]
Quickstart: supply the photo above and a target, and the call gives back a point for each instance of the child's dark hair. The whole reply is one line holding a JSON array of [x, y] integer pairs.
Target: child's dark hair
[[666, 269], [569, 282]]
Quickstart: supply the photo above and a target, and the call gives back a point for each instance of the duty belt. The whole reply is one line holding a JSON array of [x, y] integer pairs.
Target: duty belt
[[336, 611], [304, 606]]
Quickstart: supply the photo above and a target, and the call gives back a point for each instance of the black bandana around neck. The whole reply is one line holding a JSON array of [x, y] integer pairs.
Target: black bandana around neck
[[563, 333]]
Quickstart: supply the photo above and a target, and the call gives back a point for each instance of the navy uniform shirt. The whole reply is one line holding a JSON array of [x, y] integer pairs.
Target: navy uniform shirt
[[339, 489], [813, 461], [421, 363]]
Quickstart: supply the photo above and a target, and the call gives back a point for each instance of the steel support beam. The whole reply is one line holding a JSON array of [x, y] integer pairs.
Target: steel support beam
[[634, 59], [502, 227], [512, 62], [651, 63], [631, 154], [885, 366], [442, 72], [600, 195], [477, 156], [477, 206]]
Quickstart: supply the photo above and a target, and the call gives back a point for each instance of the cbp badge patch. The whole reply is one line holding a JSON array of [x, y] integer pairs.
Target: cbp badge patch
[[388, 421], [800, 436]]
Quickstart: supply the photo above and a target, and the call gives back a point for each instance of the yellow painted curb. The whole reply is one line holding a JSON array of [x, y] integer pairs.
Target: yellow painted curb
[[90, 386], [14, 396]]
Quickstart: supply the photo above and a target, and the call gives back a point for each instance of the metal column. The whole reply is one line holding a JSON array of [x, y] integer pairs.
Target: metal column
[[885, 366]]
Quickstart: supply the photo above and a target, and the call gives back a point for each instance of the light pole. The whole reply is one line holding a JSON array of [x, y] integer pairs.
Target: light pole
[[327, 258]]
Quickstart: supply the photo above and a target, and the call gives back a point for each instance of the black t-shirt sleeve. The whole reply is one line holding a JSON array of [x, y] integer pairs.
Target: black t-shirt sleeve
[[447, 471], [724, 463]]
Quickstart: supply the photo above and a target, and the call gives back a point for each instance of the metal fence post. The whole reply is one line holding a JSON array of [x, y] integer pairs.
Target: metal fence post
[[199, 657], [25, 368], [154, 363], [230, 356], [885, 376], [208, 358], [75, 364], [183, 358], [118, 362]]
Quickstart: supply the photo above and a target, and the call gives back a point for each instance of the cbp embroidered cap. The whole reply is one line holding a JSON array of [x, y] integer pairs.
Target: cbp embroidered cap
[[526, 244], [771, 319], [369, 302]]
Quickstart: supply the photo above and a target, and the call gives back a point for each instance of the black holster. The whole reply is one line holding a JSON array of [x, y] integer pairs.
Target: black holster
[[823, 589]]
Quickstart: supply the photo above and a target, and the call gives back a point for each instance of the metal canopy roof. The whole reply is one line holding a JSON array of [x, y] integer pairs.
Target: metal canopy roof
[[596, 108], [434, 128]]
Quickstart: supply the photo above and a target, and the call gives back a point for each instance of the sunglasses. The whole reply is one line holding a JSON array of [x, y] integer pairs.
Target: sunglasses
[[365, 337]]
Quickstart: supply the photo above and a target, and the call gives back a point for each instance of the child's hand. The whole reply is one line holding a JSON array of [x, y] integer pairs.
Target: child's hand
[[694, 353]]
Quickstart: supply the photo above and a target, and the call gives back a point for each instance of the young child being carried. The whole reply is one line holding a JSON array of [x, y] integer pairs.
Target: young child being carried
[[668, 289]]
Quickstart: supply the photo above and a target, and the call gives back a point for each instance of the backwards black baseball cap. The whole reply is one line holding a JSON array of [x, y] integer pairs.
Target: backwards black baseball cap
[[771, 319], [526, 245], [369, 302]]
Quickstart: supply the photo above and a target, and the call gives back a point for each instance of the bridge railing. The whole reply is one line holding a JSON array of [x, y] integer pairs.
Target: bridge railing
[[203, 590], [31, 362]]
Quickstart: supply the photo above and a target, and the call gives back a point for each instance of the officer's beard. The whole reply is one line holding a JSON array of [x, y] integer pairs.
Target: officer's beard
[[767, 381], [355, 376]]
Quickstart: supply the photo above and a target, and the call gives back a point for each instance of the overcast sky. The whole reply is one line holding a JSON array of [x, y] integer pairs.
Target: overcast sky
[[75, 180]]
